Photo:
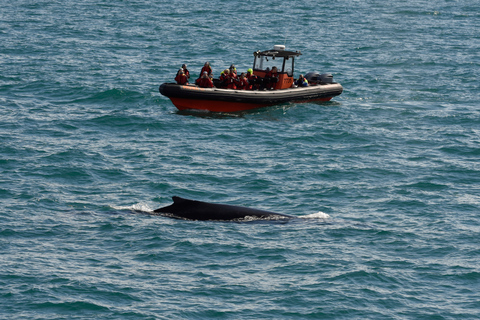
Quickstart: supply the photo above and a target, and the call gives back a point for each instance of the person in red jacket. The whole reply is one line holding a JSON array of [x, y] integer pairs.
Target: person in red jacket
[[181, 78], [185, 70], [230, 79], [242, 82], [233, 70], [206, 68], [223, 78], [271, 78], [204, 81]]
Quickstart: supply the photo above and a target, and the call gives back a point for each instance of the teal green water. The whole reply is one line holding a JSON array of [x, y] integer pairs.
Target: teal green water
[[387, 174]]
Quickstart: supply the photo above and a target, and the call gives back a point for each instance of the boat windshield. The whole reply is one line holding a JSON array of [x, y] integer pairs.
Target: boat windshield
[[288, 66], [264, 62], [283, 64]]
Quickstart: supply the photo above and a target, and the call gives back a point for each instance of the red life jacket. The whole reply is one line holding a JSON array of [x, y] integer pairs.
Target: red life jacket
[[271, 78], [230, 79], [224, 80], [207, 69], [242, 84], [181, 79], [205, 83]]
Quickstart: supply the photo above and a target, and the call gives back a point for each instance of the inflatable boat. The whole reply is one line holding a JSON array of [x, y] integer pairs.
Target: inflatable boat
[[321, 87]]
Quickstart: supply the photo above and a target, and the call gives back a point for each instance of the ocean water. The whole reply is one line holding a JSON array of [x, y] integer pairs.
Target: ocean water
[[385, 177]]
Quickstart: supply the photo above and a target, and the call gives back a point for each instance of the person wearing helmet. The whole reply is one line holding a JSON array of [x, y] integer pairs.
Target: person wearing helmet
[[252, 80]]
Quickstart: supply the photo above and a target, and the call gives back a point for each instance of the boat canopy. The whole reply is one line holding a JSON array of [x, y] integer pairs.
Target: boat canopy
[[277, 53], [266, 60]]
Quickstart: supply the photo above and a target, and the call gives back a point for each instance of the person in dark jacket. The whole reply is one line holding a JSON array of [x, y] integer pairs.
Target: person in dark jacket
[[301, 81], [253, 80]]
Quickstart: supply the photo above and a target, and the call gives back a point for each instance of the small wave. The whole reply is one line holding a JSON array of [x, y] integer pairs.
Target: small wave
[[136, 207], [317, 215]]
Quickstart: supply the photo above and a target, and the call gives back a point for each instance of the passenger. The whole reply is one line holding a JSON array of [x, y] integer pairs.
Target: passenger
[[267, 72], [206, 68], [223, 78], [204, 81], [185, 70], [230, 79], [253, 80], [274, 72], [271, 78], [301, 82], [264, 81], [181, 78], [242, 82], [233, 70], [227, 79]]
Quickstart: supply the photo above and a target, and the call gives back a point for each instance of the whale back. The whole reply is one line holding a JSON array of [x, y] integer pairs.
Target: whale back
[[199, 210]]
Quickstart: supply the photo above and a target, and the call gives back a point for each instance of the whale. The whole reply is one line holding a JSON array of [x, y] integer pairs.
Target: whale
[[198, 210]]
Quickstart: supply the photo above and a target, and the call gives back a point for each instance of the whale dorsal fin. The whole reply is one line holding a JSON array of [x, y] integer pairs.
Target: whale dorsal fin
[[178, 199]]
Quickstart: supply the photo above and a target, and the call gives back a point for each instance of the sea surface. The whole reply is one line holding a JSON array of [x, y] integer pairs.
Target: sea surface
[[385, 179]]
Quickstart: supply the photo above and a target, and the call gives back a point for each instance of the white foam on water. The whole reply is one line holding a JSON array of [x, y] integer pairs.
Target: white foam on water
[[317, 215], [135, 207]]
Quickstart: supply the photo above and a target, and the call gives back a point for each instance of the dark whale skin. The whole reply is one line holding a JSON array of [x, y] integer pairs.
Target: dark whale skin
[[199, 210]]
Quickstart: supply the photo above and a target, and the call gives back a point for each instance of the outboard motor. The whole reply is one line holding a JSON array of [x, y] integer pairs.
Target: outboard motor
[[315, 77]]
